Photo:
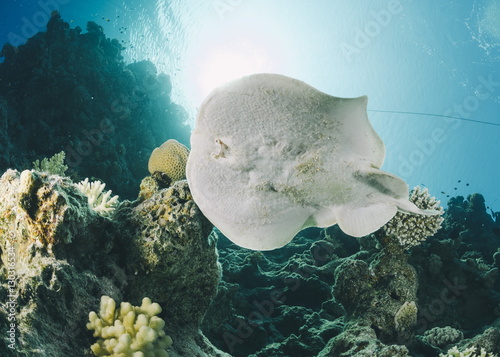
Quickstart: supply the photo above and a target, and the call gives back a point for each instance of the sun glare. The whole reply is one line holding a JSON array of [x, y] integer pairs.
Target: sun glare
[[222, 65]]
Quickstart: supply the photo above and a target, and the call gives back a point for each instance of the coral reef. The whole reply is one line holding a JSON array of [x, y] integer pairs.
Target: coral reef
[[128, 329], [442, 336], [38, 209], [411, 229], [407, 290], [376, 297], [406, 318], [53, 165], [170, 243], [100, 202], [59, 250], [67, 244], [58, 257], [328, 294], [67, 89], [468, 352], [170, 158], [150, 184]]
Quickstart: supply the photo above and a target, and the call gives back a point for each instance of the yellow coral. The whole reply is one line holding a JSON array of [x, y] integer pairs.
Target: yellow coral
[[170, 158], [128, 330]]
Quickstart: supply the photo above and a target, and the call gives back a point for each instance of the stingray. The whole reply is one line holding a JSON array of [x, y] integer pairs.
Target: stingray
[[271, 155]]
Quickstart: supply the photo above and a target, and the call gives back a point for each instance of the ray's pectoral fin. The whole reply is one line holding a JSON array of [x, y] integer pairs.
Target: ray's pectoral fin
[[395, 188], [406, 206], [360, 221], [383, 182], [383, 196], [267, 234], [322, 218]]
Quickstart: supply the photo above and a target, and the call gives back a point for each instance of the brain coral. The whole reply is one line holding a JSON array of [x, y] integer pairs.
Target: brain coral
[[411, 229], [170, 158], [129, 330]]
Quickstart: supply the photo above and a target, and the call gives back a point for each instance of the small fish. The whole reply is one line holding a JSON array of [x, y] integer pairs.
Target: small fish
[[443, 193], [459, 181], [466, 184], [455, 188]]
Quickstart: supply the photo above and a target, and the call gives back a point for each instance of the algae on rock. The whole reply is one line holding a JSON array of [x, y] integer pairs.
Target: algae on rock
[[68, 256], [60, 263]]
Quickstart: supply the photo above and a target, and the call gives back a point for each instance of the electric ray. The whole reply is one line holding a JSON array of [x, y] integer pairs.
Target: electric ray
[[271, 155]]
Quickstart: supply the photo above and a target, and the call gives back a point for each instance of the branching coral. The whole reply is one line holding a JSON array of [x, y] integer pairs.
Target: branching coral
[[133, 331], [53, 165], [100, 202], [411, 229], [468, 352]]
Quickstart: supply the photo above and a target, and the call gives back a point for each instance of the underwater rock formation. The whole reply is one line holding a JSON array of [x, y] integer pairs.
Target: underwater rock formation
[[281, 296], [59, 256], [379, 298], [324, 294], [170, 257], [56, 261], [328, 294], [70, 90]]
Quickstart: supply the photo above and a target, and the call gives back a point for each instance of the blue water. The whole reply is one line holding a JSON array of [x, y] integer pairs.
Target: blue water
[[408, 56]]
